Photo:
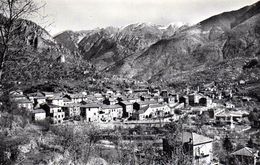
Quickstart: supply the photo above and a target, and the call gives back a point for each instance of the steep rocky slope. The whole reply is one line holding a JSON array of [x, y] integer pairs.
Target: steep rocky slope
[[71, 39], [35, 56]]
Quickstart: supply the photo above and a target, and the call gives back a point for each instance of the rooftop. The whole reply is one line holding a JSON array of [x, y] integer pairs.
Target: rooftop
[[126, 102], [23, 101], [157, 106], [38, 111], [246, 151], [91, 105], [111, 106], [195, 138]]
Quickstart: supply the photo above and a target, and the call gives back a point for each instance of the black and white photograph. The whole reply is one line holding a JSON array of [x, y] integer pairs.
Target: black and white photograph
[[129, 82]]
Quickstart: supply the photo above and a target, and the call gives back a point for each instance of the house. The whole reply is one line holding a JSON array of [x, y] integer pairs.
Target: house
[[54, 98], [67, 101], [175, 95], [24, 103], [109, 93], [199, 147], [75, 98], [48, 94], [111, 113], [155, 92], [38, 115], [185, 100], [54, 112], [158, 99], [146, 97], [58, 117], [164, 93], [128, 91], [216, 111], [228, 117], [141, 104], [246, 155], [175, 106], [127, 108], [90, 112], [37, 98], [229, 105], [141, 91], [17, 95], [110, 101], [170, 100], [205, 101], [195, 98], [71, 110], [154, 111], [133, 99], [99, 96]]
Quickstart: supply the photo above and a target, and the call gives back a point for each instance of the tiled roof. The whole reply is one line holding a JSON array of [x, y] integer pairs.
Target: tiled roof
[[147, 102], [126, 102], [200, 139], [195, 138], [111, 106], [23, 101], [72, 105], [91, 105], [38, 111], [229, 113], [66, 99], [53, 106], [245, 152], [143, 110], [157, 106], [36, 95]]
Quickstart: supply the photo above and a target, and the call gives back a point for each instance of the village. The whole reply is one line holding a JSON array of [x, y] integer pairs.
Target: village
[[208, 109]]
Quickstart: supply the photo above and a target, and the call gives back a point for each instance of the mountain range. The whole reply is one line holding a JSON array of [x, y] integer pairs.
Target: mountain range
[[174, 53], [219, 48]]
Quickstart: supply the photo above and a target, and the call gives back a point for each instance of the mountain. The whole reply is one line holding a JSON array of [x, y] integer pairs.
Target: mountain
[[109, 46], [35, 56], [199, 50], [215, 49], [71, 39]]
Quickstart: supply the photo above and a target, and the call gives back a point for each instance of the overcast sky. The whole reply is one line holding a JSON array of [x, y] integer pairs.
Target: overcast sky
[[89, 14]]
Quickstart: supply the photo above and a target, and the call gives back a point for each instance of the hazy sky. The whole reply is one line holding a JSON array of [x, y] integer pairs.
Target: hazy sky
[[88, 14]]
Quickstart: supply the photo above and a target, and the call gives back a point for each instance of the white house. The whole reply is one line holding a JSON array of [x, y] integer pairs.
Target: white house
[[199, 146], [24, 103], [38, 114], [111, 112], [154, 111]]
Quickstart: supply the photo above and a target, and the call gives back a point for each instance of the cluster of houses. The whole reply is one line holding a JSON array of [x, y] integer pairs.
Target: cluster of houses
[[111, 106], [140, 104]]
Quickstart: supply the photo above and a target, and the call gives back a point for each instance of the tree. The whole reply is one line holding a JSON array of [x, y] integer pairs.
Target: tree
[[12, 15], [227, 144], [77, 141], [250, 143]]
